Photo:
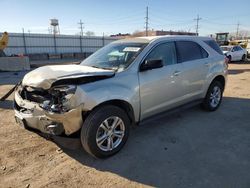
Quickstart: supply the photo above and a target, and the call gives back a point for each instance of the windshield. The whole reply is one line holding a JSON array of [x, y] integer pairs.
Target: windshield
[[226, 48], [114, 56]]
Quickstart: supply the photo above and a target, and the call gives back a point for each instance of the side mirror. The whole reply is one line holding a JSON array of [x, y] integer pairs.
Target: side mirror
[[151, 64]]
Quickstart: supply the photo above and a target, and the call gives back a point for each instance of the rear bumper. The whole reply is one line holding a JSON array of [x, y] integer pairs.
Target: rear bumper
[[30, 114]]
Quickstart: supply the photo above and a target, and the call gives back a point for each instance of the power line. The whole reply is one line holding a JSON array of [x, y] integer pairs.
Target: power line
[[146, 23], [159, 17], [216, 23], [132, 21], [172, 24], [128, 16], [226, 17], [81, 27], [197, 24]]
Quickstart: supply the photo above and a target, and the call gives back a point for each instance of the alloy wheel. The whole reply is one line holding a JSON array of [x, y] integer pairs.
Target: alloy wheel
[[110, 133], [215, 96]]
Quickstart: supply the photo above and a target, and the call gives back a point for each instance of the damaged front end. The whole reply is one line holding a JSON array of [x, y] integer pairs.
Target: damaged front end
[[55, 111], [50, 98]]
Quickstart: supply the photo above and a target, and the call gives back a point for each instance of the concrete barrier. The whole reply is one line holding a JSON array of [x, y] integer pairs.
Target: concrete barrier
[[79, 55], [14, 63], [34, 57], [54, 56], [67, 55]]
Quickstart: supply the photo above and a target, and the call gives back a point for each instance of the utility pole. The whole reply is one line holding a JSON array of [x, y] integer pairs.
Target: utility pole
[[237, 30], [81, 27], [81, 34], [146, 23], [24, 42], [103, 39], [197, 24]]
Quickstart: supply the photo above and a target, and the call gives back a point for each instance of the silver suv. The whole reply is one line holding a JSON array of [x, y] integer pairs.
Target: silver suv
[[120, 85]]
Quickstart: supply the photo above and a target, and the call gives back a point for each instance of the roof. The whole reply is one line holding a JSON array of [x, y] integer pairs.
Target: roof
[[153, 38]]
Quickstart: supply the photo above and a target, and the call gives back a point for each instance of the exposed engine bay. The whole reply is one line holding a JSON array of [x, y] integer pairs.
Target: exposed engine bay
[[54, 111], [52, 100]]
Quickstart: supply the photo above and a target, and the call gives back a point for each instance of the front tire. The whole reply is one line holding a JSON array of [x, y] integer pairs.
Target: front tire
[[213, 97], [105, 131]]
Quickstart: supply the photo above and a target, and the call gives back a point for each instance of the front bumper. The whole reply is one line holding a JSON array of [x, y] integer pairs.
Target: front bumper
[[30, 114]]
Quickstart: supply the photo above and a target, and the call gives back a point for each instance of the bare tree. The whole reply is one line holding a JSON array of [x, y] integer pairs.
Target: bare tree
[[90, 33], [242, 34]]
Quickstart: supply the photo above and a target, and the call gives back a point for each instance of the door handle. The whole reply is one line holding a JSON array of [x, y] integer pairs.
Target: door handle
[[176, 73], [207, 64]]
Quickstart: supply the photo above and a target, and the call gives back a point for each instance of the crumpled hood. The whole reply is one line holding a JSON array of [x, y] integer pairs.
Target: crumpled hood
[[45, 76]]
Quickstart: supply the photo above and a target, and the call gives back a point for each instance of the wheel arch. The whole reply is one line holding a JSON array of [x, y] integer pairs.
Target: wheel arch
[[124, 105], [221, 79]]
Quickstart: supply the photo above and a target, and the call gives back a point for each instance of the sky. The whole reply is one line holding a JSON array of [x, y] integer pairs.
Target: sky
[[116, 16]]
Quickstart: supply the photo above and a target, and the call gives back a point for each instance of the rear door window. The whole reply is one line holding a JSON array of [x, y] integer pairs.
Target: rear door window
[[214, 45], [189, 50]]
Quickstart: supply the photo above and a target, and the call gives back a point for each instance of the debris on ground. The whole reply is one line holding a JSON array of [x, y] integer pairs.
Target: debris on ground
[[59, 150]]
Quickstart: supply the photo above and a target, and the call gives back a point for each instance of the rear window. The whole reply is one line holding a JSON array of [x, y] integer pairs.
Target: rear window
[[188, 51], [214, 45]]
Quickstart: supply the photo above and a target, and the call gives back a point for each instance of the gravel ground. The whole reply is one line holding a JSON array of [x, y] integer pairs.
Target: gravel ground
[[191, 148]]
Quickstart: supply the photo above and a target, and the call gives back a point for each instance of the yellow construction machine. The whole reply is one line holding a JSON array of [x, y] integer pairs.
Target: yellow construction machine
[[222, 38], [242, 43], [3, 43]]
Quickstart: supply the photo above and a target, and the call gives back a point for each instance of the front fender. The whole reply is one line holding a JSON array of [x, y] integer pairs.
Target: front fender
[[93, 94]]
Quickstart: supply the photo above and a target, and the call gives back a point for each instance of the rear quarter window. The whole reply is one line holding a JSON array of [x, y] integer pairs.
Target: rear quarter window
[[214, 45], [189, 50]]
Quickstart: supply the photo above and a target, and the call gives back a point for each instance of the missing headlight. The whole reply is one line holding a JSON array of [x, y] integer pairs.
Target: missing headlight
[[68, 89], [60, 95]]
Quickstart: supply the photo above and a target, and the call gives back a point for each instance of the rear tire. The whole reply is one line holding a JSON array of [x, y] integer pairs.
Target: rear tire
[[213, 97], [243, 58], [98, 137]]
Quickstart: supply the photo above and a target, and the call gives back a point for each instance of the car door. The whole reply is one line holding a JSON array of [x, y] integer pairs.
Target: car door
[[235, 54], [160, 89], [195, 66], [241, 52]]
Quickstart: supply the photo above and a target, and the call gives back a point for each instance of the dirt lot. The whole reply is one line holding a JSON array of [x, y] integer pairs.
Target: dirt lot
[[192, 148]]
